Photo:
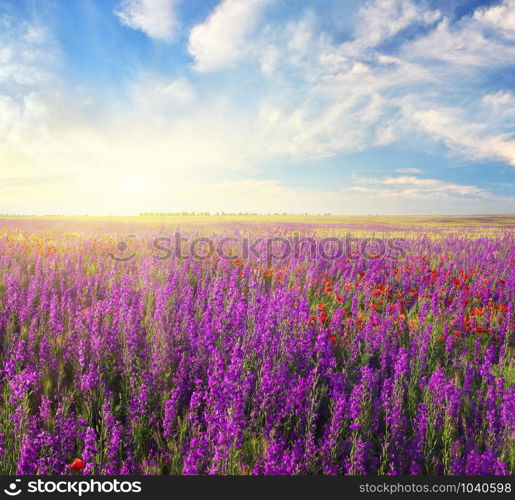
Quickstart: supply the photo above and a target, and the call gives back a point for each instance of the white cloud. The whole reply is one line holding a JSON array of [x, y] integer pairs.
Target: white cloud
[[27, 53], [154, 95], [270, 195], [501, 16], [453, 126], [408, 170], [408, 194], [246, 194], [383, 19], [9, 113], [472, 42], [156, 18], [220, 42], [317, 98], [352, 98], [328, 99], [433, 185], [179, 153], [499, 105]]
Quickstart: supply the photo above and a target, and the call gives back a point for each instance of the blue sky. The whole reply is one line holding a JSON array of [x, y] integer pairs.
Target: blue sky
[[358, 107]]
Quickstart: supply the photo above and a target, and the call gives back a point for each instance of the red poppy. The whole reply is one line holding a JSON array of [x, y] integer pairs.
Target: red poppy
[[77, 465]]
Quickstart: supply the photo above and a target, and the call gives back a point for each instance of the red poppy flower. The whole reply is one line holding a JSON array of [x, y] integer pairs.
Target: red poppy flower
[[77, 465]]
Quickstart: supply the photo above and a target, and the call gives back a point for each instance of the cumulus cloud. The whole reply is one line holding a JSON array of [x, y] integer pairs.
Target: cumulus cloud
[[500, 17], [318, 98], [220, 42], [155, 18], [313, 97], [337, 98]]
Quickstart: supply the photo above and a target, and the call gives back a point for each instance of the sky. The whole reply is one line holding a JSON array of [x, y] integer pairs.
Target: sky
[[111, 107]]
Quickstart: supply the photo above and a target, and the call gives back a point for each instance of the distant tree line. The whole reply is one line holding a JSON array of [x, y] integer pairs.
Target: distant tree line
[[208, 214], [176, 214]]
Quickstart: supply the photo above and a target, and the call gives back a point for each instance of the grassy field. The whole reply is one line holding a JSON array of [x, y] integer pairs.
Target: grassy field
[[117, 360]]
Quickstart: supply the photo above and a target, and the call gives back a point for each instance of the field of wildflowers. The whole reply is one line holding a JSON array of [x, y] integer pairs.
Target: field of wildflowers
[[208, 365]]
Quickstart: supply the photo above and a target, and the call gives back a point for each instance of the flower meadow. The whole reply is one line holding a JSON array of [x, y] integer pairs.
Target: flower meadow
[[299, 366]]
